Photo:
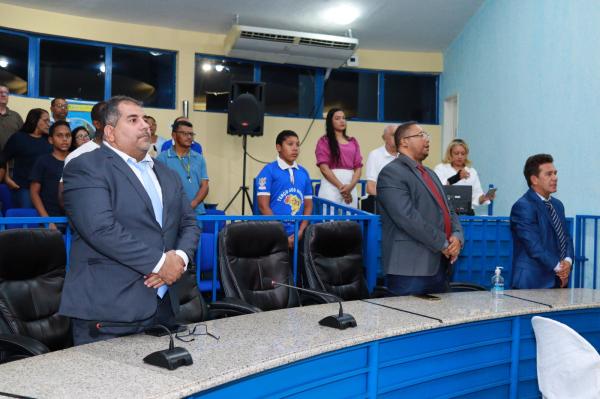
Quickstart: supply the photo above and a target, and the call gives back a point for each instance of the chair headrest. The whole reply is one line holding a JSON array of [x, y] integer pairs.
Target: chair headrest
[[255, 239], [27, 253], [334, 239]]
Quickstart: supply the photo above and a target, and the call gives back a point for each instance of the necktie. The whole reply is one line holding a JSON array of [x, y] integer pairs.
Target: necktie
[[558, 229], [438, 197], [150, 188]]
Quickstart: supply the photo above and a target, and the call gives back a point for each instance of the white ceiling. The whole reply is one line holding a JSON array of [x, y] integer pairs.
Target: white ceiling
[[411, 25]]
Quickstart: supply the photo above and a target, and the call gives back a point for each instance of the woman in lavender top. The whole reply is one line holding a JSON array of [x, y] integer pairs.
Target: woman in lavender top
[[340, 161]]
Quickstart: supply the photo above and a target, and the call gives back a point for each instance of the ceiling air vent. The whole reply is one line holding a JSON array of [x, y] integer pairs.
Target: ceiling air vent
[[289, 47], [327, 43], [266, 36]]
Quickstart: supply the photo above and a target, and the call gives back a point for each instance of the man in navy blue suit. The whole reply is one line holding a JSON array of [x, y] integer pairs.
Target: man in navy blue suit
[[542, 244]]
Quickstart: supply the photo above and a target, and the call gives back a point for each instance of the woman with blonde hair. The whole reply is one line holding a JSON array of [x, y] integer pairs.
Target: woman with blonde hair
[[456, 169]]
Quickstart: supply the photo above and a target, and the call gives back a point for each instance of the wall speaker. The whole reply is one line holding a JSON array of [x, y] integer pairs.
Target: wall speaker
[[246, 110]]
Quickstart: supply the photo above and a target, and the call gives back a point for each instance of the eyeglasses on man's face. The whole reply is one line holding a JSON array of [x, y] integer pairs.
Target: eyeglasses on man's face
[[186, 134], [422, 134]]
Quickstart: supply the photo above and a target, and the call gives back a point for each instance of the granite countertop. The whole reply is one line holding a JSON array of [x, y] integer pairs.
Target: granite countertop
[[254, 343]]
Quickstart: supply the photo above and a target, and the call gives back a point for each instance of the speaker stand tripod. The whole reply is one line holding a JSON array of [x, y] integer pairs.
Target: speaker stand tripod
[[243, 188]]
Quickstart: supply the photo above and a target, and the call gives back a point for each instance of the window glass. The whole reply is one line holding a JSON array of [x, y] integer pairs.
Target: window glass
[[354, 92], [14, 56], [71, 70], [410, 97], [213, 79], [289, 91], [146, 75]]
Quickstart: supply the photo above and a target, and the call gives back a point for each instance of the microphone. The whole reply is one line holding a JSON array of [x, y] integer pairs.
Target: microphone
[[170, 358], [341, 321]]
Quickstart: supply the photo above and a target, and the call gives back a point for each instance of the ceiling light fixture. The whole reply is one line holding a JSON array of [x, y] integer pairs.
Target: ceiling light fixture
[[206, 67], [341, 15], [102, 67], [219, 67], [3, 62]]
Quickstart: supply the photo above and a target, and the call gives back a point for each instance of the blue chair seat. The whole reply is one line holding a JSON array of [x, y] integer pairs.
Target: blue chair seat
[[22, 213]]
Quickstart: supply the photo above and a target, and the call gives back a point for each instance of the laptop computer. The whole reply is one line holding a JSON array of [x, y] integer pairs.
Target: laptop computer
[[459, 198]]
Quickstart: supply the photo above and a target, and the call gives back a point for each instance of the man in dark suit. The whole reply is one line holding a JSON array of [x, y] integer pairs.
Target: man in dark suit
[[422, 235], [542, 244], [134, 231]]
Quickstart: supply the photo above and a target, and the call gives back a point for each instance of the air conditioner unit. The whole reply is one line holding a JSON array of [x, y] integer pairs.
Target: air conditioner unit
[[289, 47]]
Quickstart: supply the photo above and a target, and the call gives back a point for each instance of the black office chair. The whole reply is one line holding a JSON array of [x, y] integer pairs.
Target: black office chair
[[32, 273], [333, 261], [192, 307], [251, 255]]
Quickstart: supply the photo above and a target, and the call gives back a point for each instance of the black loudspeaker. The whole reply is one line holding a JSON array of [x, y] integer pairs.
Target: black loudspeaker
[[246, 110]]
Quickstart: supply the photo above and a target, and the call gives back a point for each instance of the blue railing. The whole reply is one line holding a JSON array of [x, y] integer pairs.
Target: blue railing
[[369, 224], [586, 251], [488, 243]]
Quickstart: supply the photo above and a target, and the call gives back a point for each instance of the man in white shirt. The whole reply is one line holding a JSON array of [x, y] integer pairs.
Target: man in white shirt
[[380, 157]]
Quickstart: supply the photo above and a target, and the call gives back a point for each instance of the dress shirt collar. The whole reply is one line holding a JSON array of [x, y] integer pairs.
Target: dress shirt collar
[[126, 157], [386, 154], [542, 197], [411, 162], [284, 165]]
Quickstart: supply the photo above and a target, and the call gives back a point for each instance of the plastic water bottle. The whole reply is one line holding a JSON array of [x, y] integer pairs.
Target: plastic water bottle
[[498, 283]]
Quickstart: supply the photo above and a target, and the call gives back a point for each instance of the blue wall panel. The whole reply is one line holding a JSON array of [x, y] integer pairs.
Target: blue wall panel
[[473, 360]]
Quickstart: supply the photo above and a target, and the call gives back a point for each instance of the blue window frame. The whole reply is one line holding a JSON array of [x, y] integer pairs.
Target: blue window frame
[[89, 70], [301, 91]]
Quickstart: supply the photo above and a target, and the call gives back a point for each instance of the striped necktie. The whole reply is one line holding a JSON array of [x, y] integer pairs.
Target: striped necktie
[[558, 229]]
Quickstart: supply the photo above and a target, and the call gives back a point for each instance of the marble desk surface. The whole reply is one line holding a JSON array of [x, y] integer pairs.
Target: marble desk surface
[[254, 343]]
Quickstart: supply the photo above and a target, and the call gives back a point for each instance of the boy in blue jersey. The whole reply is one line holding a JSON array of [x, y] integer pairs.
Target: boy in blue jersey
[[284, 187]]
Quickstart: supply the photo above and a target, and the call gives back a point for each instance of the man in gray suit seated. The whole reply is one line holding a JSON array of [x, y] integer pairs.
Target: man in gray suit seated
[[134, 231], [422, 236]]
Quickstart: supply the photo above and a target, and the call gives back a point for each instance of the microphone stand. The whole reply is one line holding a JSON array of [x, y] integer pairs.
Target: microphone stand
[[341, 321], [169, 359]]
